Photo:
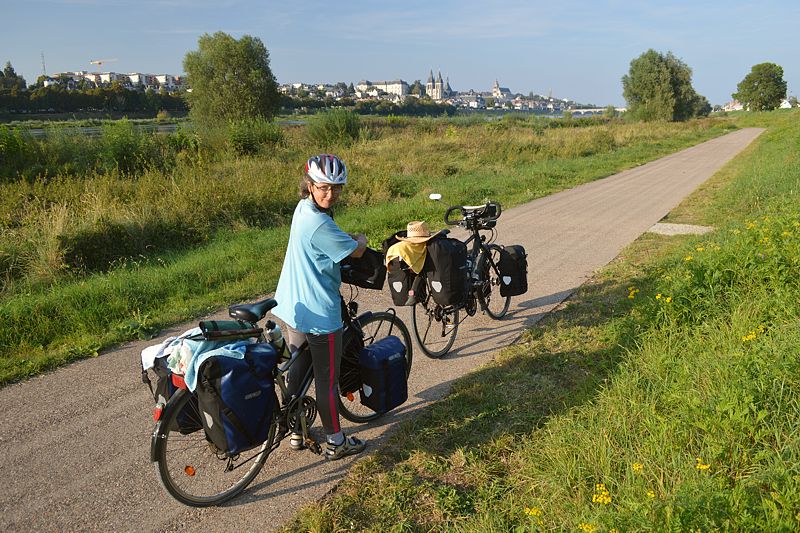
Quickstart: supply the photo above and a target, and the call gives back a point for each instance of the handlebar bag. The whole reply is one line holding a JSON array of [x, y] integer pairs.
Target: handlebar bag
[[513, 267], [237, 398], [367, 271], [405, 286], [447, 270], [383, 373]]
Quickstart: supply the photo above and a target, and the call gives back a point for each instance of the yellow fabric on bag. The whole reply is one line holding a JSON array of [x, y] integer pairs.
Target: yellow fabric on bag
[[413, 253]]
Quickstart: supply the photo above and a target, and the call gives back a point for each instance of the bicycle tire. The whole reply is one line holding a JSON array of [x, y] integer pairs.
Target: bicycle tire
[[187, 467], [375, 327], [425, 324], [489, 291]]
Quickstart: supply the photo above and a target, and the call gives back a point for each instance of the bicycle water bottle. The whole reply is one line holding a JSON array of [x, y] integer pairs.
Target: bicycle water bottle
[[275, 336]]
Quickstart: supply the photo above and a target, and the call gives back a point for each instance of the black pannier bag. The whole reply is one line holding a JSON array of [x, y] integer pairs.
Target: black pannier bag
[[367, 271], [405, 286], [447, 270], [383, 372], [350, 371], [513, 266], [388, 243], [188, 421], [237, 398]]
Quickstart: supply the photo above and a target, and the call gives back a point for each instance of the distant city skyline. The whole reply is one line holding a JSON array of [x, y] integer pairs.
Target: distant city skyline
[[579, 50]]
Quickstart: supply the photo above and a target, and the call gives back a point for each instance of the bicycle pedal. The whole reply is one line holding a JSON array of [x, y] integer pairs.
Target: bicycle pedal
[[314, 446]]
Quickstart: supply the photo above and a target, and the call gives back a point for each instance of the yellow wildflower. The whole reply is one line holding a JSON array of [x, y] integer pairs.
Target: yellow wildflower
[[750, 225], [688, 258], [632, 292], [699, 249], [601, 494], [651, 494], [764, 240], [533, 511], [638, 467], [701, 465], [751, 336], [668, 299], [587, 528], [658, 296]]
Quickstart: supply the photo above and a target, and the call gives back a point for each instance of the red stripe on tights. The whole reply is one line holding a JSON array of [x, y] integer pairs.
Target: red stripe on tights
[[332, 394]]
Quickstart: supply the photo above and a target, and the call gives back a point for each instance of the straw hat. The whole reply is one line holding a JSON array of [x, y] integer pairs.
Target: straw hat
[[417, 231]]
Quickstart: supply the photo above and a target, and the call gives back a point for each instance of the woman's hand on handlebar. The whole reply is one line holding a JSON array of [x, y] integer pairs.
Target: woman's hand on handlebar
[[361, 239]]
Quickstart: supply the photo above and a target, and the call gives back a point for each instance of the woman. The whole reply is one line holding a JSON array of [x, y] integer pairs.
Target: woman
[[308, 295]]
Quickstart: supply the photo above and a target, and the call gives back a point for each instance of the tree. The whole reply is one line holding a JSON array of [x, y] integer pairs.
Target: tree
[[417, 88], [230, 79], [763, 89], [659, 87], [11, 80]]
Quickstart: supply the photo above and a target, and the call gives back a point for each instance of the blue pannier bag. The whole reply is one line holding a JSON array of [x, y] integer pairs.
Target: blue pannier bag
[[383, 373], [237, 398]]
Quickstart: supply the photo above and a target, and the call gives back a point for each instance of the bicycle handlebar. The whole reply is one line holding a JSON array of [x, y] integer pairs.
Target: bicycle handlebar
[[489, 211]]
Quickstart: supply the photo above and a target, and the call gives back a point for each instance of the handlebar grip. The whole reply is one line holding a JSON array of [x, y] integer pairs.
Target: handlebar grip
[[447, 219]]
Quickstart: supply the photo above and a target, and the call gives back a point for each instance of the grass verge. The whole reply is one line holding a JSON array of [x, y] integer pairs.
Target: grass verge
[[664, 396]]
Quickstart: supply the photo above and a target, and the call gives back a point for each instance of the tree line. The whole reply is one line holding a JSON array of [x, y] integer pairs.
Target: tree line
[[231, 80]]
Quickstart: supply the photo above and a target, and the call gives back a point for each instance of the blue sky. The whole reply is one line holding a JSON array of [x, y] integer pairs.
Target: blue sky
[[577, 49]]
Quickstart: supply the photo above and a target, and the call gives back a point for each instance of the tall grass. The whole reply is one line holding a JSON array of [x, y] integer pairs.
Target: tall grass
[[664, 397]]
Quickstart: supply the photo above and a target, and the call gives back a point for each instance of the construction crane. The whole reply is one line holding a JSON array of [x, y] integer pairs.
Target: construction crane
[[99, 62]]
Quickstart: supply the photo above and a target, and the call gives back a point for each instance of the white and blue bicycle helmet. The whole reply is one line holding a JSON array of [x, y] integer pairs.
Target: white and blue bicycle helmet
[[327, 168]]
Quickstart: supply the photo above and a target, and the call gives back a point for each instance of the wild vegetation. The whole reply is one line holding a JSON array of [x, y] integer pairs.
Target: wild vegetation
[[664, 396], [92, 258]]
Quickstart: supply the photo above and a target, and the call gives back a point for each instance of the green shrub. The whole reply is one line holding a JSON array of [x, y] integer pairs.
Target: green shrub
[[122, 146], [336, 127], [247, 137], [15, 152]]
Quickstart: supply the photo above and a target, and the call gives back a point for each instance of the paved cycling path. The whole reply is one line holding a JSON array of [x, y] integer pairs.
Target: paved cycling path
[[75, 441]]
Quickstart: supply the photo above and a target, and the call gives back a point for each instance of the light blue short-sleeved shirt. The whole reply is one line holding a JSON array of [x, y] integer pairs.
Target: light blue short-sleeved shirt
[[308, 289]]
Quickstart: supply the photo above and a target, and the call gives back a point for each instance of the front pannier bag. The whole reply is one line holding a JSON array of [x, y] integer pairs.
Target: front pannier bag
[[513, 267], [237, 398], [383, 373], [447, 271]]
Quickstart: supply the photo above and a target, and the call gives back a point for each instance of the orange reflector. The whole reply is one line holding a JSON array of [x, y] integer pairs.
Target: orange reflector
[[350, 396], [190, 471], [157, 411]]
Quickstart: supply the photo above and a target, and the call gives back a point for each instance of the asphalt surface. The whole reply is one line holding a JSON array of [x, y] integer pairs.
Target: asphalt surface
[[76, 441]]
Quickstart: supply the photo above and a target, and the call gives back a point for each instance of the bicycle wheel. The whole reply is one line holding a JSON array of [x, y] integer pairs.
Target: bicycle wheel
[[375, 327], [188, 466], [434, 329], [496, 306]]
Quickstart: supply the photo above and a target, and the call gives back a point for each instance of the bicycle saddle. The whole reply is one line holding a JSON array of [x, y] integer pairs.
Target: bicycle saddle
[[252, 312]]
